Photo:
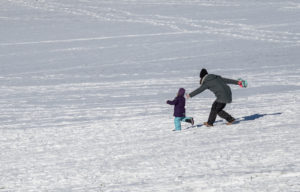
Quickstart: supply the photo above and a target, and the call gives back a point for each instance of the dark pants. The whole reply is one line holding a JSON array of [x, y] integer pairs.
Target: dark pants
[[217, 109]]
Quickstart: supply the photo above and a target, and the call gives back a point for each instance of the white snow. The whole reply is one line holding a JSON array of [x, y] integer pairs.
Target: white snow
[[83, 88]]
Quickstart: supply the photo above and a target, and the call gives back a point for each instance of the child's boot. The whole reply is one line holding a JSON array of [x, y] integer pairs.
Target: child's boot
[[191, 121]]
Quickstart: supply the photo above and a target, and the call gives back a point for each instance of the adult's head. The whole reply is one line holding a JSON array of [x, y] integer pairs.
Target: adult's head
[[203, 72]]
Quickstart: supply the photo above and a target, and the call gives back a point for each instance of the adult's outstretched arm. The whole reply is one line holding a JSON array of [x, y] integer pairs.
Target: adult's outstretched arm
[[198, 91], [230, 81]]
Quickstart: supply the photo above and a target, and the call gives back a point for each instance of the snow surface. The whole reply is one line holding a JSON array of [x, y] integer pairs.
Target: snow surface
[[83, 88]]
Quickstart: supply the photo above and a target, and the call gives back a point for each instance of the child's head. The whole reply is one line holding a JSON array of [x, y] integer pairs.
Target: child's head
[[181, 92]]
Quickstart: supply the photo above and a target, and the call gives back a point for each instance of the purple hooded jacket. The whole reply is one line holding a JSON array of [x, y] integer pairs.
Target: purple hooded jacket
[[179, 103]]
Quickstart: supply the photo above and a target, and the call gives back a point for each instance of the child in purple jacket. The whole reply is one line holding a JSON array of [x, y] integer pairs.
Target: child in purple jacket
[[179, 110]]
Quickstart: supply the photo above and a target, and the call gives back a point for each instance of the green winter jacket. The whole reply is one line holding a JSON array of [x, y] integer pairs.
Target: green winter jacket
[[218, 85]]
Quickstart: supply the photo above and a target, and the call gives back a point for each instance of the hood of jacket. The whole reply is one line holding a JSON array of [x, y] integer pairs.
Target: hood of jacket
[[181, 92]]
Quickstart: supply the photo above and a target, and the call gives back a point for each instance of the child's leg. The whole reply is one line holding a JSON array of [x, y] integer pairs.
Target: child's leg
[[188, 120], [177, 122]]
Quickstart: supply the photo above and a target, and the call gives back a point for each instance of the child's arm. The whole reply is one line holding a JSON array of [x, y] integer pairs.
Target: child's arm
[[174, 102]]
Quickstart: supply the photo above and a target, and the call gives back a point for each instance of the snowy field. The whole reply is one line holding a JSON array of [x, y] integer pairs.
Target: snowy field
[[84, 83]]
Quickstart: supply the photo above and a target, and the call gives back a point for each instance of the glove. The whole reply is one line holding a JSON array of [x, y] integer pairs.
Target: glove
[[242, 83]]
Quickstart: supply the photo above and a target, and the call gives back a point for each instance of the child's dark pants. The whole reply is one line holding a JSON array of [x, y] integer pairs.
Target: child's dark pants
[[217, 109]]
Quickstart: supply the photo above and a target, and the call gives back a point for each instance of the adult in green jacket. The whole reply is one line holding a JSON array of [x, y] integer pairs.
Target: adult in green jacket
[[218, 85]]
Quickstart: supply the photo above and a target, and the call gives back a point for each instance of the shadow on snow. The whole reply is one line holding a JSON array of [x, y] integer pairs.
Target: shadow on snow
[[238, 120], [255, 116]]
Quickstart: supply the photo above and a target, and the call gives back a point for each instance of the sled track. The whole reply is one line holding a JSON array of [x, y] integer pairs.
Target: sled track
[[176, 24]]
